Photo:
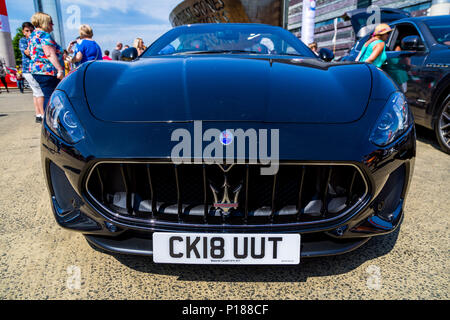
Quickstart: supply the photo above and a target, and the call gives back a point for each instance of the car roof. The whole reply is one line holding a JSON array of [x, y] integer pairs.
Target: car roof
[[384, 10], [425, 19]]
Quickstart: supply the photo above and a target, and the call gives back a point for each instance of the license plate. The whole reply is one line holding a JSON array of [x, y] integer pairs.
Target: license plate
[[191, 248]]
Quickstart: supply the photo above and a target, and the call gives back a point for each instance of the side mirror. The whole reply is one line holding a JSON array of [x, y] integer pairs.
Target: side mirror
[[129, 54], [326, 54], [412, 43]]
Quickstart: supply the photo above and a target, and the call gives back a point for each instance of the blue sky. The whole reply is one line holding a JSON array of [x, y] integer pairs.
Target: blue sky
[[112, 20]]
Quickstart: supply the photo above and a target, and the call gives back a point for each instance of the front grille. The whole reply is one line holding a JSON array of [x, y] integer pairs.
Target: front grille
[[234, 195]]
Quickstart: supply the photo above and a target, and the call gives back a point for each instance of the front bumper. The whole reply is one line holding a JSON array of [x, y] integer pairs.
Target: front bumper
[[76, 212], [143, 245]]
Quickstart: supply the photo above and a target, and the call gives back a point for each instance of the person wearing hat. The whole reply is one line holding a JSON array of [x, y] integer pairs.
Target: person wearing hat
[[374, 50], [313, 47]]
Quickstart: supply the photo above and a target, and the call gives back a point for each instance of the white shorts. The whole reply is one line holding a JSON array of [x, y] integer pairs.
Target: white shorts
[[34, 85]]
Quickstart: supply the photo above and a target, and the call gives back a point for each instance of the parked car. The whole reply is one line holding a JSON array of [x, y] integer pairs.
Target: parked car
[[341, 137], [419, 61], [11, 79], [359, 19]]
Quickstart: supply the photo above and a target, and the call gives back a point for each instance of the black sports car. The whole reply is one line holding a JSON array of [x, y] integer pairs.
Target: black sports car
[[418, 52], [228, 144]]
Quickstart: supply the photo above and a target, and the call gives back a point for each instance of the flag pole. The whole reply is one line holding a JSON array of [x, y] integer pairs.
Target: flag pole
[[335, 35]]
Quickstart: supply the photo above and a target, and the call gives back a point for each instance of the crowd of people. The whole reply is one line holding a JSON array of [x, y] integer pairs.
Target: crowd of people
[[45, 63]]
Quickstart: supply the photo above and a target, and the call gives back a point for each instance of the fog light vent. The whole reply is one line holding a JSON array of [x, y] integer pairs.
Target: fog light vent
[[65, 196], [390, 197]]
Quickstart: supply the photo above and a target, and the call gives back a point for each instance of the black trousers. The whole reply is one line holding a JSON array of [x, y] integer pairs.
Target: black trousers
[[20, 85], [48, 84], [3, 79]]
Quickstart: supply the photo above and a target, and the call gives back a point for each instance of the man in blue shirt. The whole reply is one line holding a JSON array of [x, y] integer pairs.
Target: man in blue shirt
[[38, 95]]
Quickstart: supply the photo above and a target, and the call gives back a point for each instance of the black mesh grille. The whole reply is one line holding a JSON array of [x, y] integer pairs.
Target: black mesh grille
[[195, 193]]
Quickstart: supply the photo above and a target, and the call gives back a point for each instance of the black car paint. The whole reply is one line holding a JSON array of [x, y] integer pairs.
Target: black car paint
[[307, 142], [229, 85]]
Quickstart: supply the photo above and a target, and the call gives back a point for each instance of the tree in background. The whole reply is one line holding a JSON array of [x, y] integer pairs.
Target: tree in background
[[17, 54]]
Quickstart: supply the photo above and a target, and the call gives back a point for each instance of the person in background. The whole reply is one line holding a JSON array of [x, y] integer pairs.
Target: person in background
[[67, 62], [88, 49], [38, 95], [374, 50], [47, 66], [253, 44], [106, 56], [126, 47], [139, 45], [19, 77], [115, 54], [73, 47], [3, 74], [314, 48], [268, 43]]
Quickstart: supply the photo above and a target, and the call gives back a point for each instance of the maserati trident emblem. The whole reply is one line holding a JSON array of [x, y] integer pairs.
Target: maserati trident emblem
[[226, 204], [226, 137]]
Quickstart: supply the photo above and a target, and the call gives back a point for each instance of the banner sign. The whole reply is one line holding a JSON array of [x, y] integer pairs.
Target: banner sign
[[3, 11], [4, 24], [309, 14]]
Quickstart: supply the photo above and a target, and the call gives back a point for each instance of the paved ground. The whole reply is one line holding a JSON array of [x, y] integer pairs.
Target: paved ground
[[41, 261]]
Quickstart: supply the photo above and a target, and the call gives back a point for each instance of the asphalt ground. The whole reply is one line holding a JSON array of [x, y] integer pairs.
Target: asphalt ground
[[39, 260]]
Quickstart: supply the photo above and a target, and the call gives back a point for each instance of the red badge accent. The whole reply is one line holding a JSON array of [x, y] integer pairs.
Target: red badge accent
[[3, 11]]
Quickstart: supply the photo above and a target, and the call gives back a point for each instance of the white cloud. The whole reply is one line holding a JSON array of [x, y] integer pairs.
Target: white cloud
[[107, 33], [157, 9], [149, 32]]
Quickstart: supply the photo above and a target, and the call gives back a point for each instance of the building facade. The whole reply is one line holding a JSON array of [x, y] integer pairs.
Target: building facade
[[329, 10], [272, 12], [53, 8]]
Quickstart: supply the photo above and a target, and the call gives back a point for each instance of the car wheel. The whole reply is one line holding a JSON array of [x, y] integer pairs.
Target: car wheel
[[442, 127]]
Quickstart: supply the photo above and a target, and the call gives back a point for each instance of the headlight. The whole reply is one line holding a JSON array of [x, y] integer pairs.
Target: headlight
[[393, 122], [62, 120]]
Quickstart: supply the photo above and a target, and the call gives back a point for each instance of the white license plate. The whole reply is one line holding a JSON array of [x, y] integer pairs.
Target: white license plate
[[191, 248]]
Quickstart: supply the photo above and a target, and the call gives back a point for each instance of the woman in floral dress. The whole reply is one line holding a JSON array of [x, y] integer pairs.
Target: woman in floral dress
[[46, 64]]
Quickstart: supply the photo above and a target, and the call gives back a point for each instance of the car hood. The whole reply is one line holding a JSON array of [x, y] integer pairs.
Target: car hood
[[211, 88]]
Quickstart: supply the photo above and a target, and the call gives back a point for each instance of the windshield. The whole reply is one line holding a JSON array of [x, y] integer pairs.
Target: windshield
[[228, 38], [440, 31]]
